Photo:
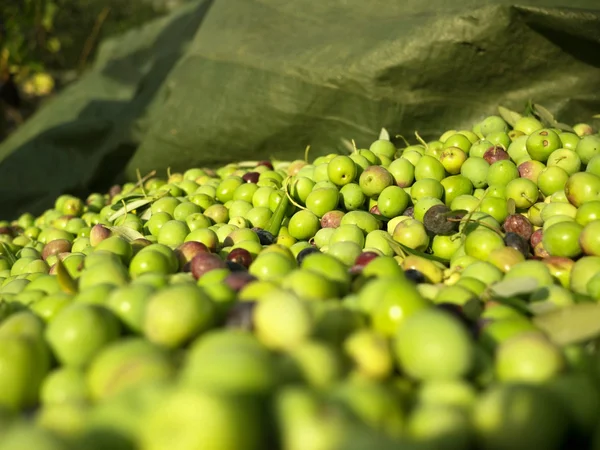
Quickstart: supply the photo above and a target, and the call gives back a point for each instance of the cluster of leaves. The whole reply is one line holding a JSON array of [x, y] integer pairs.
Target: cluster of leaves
[[26, 33]]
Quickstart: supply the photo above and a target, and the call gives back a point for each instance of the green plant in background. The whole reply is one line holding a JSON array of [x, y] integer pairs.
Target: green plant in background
[[26, 35], [39, 37]]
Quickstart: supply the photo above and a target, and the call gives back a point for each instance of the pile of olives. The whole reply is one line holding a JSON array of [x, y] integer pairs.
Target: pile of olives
[[441, 295]]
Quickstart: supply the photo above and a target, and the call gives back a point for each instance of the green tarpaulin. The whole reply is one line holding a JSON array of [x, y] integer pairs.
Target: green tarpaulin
[[219, 81]]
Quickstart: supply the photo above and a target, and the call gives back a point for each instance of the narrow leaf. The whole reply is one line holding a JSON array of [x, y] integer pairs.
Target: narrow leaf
[[65, 281], [511, 206], [401, 250], [515, 286], [126, 199], [412, 251], [132, 206], [456, 213], [348, 145], [127, 233], [596, 116], [384, 135], [577, 323], [247, 164], [509, 116], [278, 216], [547, 117], [529, 108], [8, 253], [544, 114], [146, 215], [565, 127], [466, 219], [379, 217], [516, 303], [542, 307]]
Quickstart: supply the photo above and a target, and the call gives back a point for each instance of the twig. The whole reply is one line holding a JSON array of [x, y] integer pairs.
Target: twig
[[92, 38]]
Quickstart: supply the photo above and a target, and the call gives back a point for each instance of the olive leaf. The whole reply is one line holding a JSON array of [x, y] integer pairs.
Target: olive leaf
[[401, 250], [384, 135], [529, 111], [514, 286], [570, 325], [469, 216], [136, 204], [8, 253], [515, 303], [456, 213], [565, 127], [126, 199], [596, 116], [247, 164], [548, 119], [278, 215], [511, 206], [146, 214], [542, 307], [129, 234], [509, 116], [66, 283], [348, 145], [379, 217]]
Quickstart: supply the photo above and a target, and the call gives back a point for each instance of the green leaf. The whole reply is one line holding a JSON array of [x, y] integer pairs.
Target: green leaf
[[455, 213], [509, 116], [514, 286], [136, 204], [511, 206], [65, 281], [515, 303], [8, 253], [348, 145], [596, 116], [384, 135], [570, 325], [548, 119], [126, 199], [379, 217], [544, 115], [278, 216], [542, 307], [401, 250], [146, 215], [466, 219], [529, 109], [129, 234], [565, 127]]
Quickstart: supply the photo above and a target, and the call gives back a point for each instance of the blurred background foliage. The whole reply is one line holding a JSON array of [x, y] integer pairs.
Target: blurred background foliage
[[45, 44]]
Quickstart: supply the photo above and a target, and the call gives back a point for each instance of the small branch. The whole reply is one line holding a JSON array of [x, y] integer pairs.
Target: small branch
[[88, 46]]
